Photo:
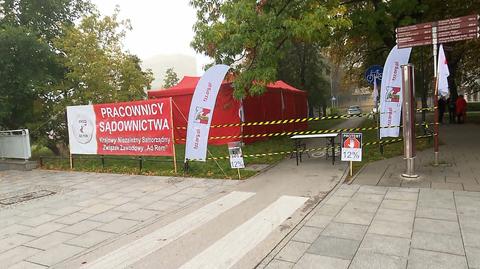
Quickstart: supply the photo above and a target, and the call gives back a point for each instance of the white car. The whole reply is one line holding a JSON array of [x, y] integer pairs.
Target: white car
[[354, 110]]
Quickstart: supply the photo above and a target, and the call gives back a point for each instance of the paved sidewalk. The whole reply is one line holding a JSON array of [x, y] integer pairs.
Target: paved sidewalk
[[458, 170], [386, 227], [87, 210]]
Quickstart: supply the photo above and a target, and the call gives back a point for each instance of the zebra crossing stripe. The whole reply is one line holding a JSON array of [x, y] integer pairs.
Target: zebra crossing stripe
[[140, 248], [227, 251]]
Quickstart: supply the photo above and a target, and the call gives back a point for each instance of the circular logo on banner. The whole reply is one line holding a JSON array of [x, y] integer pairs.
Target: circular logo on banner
[[83, 129]]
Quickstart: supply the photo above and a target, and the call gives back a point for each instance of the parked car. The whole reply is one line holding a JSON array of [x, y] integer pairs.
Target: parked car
[[354, 110]]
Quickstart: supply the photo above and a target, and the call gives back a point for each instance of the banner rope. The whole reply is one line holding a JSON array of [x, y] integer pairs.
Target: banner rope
[[329, 131], [301, 120], [259, 155]]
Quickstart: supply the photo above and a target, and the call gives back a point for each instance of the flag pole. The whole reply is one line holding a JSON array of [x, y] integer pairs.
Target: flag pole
[[435, 97], [173, 137]]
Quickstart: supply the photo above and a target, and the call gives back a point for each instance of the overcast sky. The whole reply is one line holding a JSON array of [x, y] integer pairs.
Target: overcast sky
[[159, 26]]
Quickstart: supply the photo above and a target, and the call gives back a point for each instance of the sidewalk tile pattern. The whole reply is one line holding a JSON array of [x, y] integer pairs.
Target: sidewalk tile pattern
[[91, 209], [387, 227]]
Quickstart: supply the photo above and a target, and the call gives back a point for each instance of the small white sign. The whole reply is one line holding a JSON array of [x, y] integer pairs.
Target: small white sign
[[352, 147], [236, 156]]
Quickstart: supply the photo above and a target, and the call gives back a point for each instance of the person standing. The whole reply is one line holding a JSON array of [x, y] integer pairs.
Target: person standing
[[451, 109], [442, 103], [461, 109]]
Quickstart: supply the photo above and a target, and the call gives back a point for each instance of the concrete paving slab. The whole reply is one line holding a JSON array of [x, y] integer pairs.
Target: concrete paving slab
[[438, 242], [354, 217], [55, 255], [369, 260], [437, 226], [312, 261], [73, 218], [279, 264], [16, 255], [329, 210], [319, 221], [81, 227], [334, 247], [293, 251], [389, 228], [14, 241], [50, 240], [421, 259], [106, 217], [345, 230], [399, 204], [473, 257], [90, 239], [43, 229], [387, 245], [395, 215], [436, 213], [117, 226], [27, 265], [401, 195], [307, 234]]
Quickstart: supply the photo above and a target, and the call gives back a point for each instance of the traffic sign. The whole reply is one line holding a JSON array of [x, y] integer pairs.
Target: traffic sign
[[352, 147], [469, 18], [427, 31], [443, 31], [415, 27], [458, 38], [373, 73]]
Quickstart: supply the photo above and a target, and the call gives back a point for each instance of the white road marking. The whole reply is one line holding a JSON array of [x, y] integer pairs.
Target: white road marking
[[138, 249], [232, 247]]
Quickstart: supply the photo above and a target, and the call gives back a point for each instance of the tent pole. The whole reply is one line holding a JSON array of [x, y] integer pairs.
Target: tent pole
[[173, 138]]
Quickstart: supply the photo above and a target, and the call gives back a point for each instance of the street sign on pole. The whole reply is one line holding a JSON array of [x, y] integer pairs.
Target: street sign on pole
[[374, 74], [434, 33], [449, 30]]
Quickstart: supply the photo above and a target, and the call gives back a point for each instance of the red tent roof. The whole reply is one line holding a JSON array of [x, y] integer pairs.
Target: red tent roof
[[187, 86]]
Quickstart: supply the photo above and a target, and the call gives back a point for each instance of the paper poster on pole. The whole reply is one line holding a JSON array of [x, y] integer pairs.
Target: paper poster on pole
[[201, 112], [391, 92], [351, 147], [236, 155], [141, 128]]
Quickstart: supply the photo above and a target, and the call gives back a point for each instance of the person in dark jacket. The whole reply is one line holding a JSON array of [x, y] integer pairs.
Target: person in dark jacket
[[461, 109], [442, 103], [451, 109]]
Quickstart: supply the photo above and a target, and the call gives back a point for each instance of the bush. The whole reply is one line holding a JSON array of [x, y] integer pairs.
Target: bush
[[333, 111], [473, 106]]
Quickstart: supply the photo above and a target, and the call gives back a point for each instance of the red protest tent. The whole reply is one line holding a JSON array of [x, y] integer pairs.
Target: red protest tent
[[280, 101]]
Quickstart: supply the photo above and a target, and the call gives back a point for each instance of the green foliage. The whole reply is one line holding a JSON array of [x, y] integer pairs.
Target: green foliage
[[47, 62], [96, 71], [26, 66], [372, 35], [45, 18], [170, 79], [304, 67], [251, 36]]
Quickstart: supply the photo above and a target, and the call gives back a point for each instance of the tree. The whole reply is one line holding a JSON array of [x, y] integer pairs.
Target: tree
[[97, 71], [27, 58], [304, 67], [46, 18], [251, 36], [170, 79], [373, 35], [26, 66]]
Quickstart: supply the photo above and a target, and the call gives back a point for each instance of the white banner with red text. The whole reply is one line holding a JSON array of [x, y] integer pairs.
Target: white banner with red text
[[391, 92], [201, 112], [141, 128]]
